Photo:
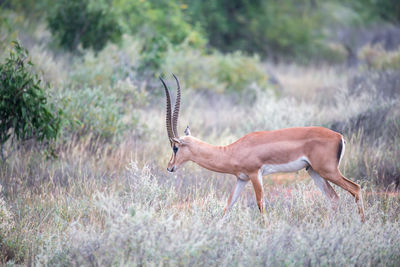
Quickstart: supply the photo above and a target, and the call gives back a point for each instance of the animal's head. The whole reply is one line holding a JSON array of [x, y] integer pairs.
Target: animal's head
[[179, 145]]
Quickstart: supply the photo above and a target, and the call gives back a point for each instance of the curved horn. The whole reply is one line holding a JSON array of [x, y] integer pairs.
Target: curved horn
[[176, 109], [168, 117]]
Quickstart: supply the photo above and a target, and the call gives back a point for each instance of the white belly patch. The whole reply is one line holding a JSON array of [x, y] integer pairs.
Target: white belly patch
[[291, 166]]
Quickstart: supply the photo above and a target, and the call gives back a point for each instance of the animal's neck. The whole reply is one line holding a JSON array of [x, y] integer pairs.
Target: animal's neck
[[214, 158]]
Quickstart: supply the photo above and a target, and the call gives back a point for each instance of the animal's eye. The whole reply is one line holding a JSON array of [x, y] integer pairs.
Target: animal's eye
[[175, 149]]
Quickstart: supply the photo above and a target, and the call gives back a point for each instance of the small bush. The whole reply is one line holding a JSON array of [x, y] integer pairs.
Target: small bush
[[216, 72], [377, 57], [90, 110], [24, 109], [108, 66], [131, 94], [89, 23]]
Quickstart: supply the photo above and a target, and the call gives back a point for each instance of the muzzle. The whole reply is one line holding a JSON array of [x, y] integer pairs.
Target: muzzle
[[171, 169]]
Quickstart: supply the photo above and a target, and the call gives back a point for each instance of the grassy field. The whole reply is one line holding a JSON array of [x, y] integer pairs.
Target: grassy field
[[101, 195], [113, 202], [82, 210]]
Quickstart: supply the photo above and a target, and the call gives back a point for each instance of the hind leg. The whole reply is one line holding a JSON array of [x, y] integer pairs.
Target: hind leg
[[257, 181], [325, 187], [355, 189]]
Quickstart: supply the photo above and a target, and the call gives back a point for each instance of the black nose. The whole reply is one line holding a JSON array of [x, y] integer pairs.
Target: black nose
[[171, 169]]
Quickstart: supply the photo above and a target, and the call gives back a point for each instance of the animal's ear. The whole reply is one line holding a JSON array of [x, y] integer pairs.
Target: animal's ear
[[178, 141], [187, 130]]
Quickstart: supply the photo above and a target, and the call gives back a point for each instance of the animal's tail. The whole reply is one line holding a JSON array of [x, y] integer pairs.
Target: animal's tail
[[341, 147]]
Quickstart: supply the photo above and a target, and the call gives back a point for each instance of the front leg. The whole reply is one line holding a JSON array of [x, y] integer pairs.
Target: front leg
[[240, 184]]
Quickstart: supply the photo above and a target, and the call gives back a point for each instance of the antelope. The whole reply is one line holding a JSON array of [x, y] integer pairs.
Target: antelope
[[317, 149]]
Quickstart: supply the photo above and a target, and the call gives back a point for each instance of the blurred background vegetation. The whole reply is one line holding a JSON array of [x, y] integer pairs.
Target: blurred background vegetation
[[91, 102], [305, 30]]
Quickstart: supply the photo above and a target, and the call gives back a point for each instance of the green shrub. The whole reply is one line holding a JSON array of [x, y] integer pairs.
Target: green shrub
[[220, 73], [131, 94], [108, 66], [158, 24], [24, 111], [377, 9], [239, 72], [91, 111], [270, 28], [226, 23], [89, 23]]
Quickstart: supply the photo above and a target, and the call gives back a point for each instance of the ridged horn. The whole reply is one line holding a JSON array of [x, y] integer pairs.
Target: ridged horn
[[168, 115], [175, 115]]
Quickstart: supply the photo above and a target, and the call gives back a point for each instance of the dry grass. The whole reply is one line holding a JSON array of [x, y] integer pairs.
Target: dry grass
[[138, 217], [309, 83], [111, 202]]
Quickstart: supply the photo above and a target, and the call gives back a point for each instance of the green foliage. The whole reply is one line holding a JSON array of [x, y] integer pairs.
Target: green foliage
[[387, 10], [158, 24], [91, 111], [7, 32], [24, 111], [33, 9], [89, 23], [270, 28], [108, 66], [239, 72], [286, 28], [220, 73], [225, 22]]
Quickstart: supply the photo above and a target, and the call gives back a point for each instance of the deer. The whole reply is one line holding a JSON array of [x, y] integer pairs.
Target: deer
[[317, 149]]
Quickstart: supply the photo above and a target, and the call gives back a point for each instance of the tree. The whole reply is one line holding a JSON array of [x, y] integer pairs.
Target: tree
[[86, 22], [284, 28], [24, 110]]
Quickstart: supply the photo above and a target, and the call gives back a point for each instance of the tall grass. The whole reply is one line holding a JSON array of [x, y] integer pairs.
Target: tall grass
[[106, 199], [136, 219]]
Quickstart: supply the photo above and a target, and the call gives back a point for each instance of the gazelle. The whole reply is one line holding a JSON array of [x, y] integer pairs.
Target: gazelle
[[256, 154]]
